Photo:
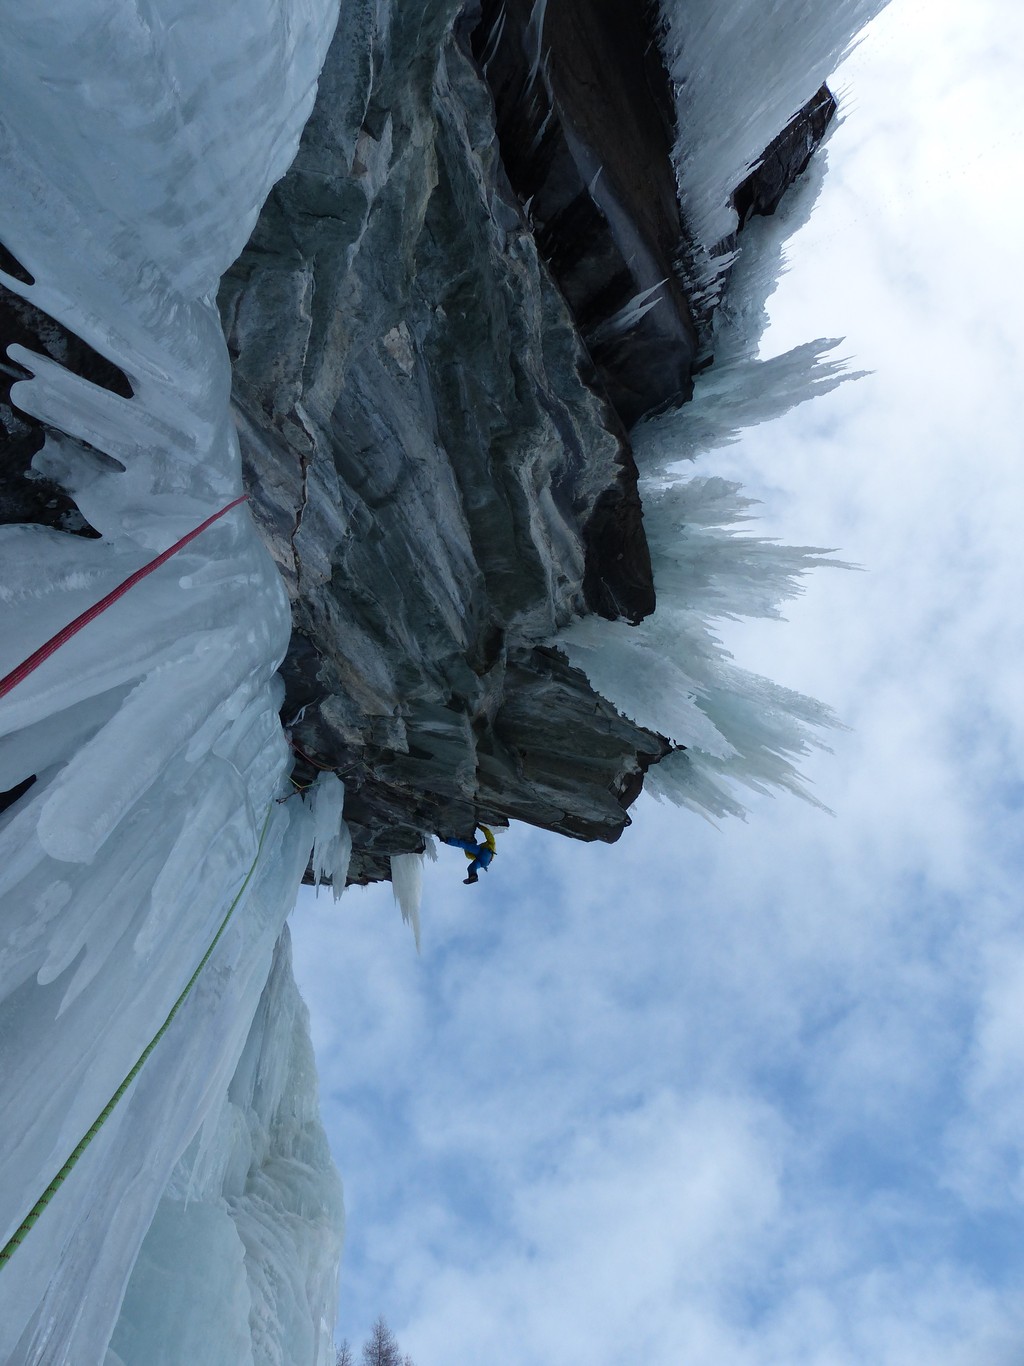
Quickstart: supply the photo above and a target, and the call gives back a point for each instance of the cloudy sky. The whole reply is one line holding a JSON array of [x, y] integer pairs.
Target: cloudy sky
[[754, 1094]]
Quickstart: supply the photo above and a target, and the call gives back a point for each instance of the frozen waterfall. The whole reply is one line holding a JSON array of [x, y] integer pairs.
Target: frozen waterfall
[[138, 143]]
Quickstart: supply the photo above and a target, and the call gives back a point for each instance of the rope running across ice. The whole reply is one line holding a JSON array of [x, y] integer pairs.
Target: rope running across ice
[[27, 1224], [44, 652], [11, 680]]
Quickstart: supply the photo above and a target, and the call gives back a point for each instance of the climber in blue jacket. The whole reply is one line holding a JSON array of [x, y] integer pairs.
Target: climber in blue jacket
[[481, 854]]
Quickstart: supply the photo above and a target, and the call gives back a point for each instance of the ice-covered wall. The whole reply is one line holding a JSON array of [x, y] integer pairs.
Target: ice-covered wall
[[137, 143], [239, 1263]]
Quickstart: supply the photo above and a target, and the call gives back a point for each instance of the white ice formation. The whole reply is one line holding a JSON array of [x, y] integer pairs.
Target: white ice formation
[[741, 71], [332, 842], [138, 142], [407, 882], [239, 1264], [671, 673]]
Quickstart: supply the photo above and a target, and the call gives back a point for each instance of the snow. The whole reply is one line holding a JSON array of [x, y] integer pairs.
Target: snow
[[138, 145]]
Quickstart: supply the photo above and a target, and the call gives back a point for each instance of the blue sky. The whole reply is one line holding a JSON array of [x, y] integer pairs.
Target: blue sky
[[753, 1094]]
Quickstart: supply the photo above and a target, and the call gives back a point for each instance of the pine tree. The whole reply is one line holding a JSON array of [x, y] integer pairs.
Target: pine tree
[[382, 1347]]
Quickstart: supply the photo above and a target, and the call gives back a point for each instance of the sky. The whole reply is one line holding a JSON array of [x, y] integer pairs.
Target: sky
[[754, 1094]]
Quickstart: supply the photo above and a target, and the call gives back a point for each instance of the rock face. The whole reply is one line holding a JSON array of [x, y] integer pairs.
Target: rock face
[[465, 291], [785, 157], [585, 120], [454, 306], [439, 474]]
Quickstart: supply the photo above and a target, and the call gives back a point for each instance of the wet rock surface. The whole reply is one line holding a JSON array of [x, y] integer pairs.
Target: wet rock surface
[[455, 304], [786, 157], [542, 748]]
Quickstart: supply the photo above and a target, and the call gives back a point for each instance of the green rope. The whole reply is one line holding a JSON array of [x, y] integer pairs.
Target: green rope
[[30, 1220]]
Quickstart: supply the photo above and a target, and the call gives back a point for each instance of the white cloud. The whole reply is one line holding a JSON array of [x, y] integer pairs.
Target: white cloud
[[752, 1096]]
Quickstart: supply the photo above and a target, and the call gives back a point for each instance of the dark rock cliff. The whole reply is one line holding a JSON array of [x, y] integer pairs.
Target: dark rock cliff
[[439, 471], [585, 119]]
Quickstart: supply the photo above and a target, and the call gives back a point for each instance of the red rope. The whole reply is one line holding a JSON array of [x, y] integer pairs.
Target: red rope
[[90, 614], [310, 760]]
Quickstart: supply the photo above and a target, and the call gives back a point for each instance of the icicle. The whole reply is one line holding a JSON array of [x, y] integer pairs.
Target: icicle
[[534, 37], [332, 842], [407, 885], [632, 312], [494, 41]]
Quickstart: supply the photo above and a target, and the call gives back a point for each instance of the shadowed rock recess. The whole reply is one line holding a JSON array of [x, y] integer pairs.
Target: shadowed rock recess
[[25, 494], [438, 356]]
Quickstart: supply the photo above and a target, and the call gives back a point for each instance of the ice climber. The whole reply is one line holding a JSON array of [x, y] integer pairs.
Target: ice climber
[[481, 854]]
